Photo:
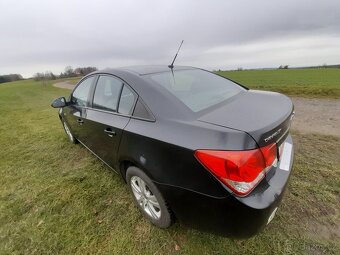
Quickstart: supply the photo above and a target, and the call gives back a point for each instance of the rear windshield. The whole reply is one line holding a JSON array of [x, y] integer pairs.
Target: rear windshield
[[197, 89]]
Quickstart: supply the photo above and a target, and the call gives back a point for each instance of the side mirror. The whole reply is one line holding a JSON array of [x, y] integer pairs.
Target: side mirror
[[59, 102]]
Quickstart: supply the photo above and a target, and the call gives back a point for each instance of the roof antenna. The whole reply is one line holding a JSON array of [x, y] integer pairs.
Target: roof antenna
[[173, 61]]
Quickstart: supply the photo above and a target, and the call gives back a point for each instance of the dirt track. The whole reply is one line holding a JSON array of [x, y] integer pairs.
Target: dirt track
[[312, 115], [64, 85], [317, 116]]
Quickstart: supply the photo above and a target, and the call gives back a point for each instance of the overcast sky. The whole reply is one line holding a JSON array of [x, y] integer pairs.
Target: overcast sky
[[41, 35]]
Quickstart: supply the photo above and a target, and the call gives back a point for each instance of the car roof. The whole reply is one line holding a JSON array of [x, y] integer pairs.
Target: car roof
[[160, 101], [146, 69]]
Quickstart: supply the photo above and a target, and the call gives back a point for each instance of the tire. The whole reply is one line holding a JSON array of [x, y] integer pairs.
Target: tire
[[68, 132], [148, 198]]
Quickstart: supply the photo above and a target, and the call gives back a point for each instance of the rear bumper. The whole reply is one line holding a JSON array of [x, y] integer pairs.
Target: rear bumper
[[232, 216]]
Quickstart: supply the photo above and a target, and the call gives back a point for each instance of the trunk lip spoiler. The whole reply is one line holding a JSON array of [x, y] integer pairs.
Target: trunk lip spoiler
[[288, 129]]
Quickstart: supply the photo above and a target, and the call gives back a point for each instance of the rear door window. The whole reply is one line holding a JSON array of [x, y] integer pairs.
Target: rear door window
[[107, 93]]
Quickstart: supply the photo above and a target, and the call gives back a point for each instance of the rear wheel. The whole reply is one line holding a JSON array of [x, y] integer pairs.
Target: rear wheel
[[69, 133], [148, 198]]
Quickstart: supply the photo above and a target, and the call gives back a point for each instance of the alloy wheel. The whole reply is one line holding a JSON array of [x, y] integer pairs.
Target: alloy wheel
[[145, 198]]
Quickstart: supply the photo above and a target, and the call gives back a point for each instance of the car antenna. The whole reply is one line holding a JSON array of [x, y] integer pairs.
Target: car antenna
[[173, 61]]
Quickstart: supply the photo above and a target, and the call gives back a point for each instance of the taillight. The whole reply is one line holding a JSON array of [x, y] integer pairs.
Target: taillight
[[241, 171]]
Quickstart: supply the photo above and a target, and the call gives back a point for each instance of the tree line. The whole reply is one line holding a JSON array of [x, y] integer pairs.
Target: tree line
[[10, 77], [68, 72], [48, 75]]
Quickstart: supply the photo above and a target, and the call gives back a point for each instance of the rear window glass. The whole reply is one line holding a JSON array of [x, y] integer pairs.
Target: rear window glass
[[197, 89]]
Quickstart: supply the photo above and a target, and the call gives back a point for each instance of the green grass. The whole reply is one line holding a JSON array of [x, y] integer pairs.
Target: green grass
[[322, 82], [57, 198], [73, 80]]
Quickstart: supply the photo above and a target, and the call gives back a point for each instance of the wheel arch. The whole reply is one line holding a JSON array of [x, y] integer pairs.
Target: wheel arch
[[125, 163]]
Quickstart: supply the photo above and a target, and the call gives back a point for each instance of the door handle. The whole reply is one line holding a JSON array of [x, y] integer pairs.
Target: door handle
[[80, 121], [109, 132]]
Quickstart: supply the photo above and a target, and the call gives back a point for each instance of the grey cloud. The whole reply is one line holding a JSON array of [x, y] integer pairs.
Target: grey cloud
[[48, 35]]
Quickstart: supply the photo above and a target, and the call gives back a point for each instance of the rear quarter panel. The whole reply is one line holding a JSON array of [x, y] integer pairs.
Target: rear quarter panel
[[165, 151]]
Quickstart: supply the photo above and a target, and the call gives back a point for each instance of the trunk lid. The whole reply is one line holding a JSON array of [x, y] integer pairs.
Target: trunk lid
[[266, 116]]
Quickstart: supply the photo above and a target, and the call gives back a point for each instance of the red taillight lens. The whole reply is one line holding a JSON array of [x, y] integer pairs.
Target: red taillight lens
[[269, 153], [239, 170]]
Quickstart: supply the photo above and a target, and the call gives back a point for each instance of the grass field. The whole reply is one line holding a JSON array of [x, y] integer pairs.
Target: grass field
[[74, 80], [310, 82], [322, 82], [57, 198]]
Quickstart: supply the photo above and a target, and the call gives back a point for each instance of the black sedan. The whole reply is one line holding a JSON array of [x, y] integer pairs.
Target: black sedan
[[191, 145]]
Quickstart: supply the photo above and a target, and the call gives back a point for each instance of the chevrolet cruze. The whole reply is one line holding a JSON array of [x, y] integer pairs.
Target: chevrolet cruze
[[190, 144]]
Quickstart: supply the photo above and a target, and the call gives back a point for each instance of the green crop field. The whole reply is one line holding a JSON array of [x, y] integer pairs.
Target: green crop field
[[311, 82], [57, 198]]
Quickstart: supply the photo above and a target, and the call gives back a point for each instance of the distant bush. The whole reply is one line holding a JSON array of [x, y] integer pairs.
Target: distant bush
[[85, 70], [283, 67], [79, 71], [10, 77], [68, 73], [44, 76]]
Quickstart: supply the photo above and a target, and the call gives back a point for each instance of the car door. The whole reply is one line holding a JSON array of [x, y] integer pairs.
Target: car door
[[75, 112], [108, 115]]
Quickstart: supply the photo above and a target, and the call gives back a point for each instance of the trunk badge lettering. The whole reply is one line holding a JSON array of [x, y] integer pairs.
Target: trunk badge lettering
[[272, 135]]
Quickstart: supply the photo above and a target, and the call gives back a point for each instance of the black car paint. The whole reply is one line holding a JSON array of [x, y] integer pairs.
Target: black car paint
[[164, 146], [264, 117]]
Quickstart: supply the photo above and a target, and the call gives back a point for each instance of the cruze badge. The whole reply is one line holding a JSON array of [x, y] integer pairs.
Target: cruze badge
[[272, 135]]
